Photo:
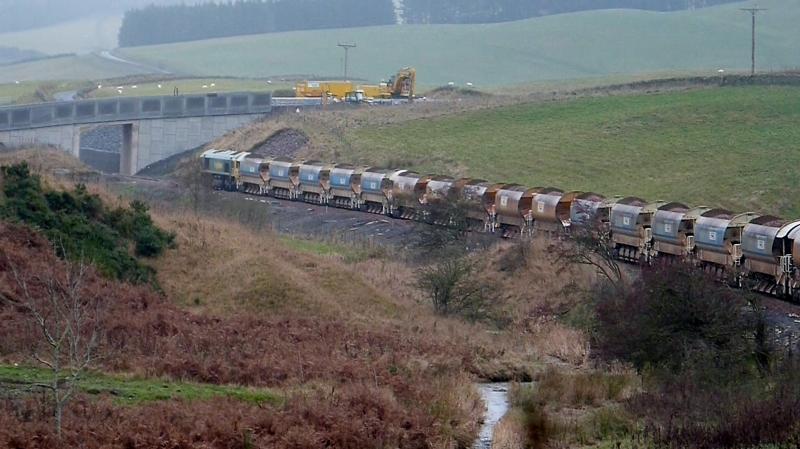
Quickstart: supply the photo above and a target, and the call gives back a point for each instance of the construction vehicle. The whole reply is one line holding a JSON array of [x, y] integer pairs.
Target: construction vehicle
[[400, 85], [319, 89]]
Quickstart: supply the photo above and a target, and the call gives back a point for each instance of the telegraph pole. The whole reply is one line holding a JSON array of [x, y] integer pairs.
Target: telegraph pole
[[753, 12], [346, 48]]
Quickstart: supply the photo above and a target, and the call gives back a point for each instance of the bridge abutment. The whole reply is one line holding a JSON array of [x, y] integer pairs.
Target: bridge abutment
[[153, 128]]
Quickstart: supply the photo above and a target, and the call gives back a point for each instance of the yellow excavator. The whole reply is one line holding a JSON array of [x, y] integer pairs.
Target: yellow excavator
[[401, 85]]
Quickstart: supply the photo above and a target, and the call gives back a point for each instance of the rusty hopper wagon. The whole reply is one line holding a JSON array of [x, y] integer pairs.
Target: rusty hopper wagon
[[254, 175], [586, 210], [551, 210], [673, 229], [767, 250], [513, 207], [376, 191], [404, 193], [315, 182], [284, 178], [345, 188], [436, 194], [631, 220], [718, 238], [475, 192]]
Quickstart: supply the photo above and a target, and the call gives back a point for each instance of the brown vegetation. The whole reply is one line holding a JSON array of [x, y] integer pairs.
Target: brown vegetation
[[343, 337], [359, 371]]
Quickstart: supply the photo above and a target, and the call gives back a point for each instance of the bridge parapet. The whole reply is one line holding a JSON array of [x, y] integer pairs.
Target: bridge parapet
[[105, 110]]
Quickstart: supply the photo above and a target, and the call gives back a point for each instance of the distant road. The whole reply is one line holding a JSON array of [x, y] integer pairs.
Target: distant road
[[106, 54]]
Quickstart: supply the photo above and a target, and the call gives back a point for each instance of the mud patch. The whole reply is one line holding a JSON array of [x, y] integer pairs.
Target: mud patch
[[285, 142]]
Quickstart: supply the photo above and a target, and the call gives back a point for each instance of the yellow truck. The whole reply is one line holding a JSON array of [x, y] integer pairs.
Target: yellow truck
[[319, 89], [400, 85]]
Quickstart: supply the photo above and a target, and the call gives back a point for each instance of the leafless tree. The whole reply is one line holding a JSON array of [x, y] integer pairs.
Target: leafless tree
[[589, 243], [452, 287], [67, 319]]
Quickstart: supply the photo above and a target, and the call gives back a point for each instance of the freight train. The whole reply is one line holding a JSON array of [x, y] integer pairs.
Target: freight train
[[761, 252]]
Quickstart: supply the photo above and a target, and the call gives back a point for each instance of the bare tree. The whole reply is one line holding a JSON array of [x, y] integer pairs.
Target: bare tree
[[452, 287], [590, 243], [67, 318]]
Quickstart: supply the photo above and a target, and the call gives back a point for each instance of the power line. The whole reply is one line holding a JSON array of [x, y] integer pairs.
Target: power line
[[346, 48], [753, 12]]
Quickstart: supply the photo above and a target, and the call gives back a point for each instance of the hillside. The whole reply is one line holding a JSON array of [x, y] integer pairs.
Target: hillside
[[85, 67], [577, 45], [735, 147], [82, 35], [311, 342]]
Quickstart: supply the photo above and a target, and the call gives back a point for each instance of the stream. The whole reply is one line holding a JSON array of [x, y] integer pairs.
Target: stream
[[495, 397]]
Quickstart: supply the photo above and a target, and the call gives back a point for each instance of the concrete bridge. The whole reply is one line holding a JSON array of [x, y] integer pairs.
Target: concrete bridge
[[153, 128]]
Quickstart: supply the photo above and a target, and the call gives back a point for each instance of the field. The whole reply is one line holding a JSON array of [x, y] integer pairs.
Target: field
[[77, 36], [190, 86], [84, 67], [735, 147], [568, 46]]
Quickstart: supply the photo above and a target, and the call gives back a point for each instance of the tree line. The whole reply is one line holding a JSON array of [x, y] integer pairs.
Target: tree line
[[487, 11], [176, 23]]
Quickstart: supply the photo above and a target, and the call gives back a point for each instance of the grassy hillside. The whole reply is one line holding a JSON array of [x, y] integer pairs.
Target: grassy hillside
[[735, 147], [85, 67], [77, 36], [588, 44]]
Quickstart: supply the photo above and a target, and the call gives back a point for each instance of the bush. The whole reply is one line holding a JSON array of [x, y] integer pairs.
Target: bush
[[81, 227], [674, 315], [453, 288]]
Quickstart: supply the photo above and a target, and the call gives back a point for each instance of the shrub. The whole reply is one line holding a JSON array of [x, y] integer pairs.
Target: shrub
[[81, 227], [671, 316]]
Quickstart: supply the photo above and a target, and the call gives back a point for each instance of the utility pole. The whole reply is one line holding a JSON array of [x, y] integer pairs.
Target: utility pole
[[753, 12], [347, 48]]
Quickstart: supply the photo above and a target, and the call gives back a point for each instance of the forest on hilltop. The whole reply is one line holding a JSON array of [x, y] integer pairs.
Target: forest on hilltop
[[157, 24]]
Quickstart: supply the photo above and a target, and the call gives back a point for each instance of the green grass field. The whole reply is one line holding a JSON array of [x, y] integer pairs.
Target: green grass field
[[77, 36], [737, 147], [134, 391], [567, 46], [26, 91], [85, 67], [190, 86]]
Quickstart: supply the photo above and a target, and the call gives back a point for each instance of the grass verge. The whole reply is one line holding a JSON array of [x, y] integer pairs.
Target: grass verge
[[130, 391]]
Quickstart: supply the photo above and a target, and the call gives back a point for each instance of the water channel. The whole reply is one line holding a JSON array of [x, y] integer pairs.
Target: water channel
[[495, 397]]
